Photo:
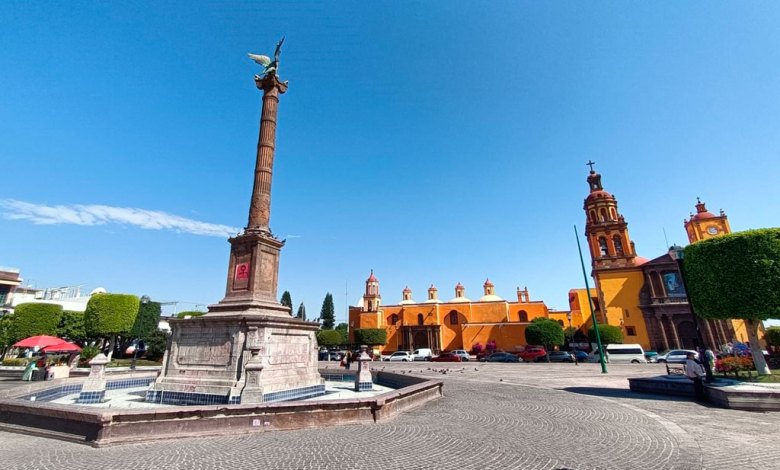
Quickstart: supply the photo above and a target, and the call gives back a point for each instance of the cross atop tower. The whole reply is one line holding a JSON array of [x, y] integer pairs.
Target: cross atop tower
[[590, 164]]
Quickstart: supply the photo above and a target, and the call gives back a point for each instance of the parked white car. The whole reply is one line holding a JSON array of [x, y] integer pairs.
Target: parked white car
[[422, 354], [464, 355], [404, 356]]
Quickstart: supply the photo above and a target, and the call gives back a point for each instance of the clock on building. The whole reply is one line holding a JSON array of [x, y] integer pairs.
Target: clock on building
[[712, 230]]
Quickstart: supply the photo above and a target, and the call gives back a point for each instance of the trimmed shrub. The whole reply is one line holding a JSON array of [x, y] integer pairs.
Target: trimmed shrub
[[147, 320], [545, 332], [330, 337], [34, 319], [110, 314], [773, 336], [371, 336], [609, 334]]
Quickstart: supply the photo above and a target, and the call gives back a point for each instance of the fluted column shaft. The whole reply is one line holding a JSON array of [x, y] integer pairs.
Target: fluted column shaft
[[260, 206]]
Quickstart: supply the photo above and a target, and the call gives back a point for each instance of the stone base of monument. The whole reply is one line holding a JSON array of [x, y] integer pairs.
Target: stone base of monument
[[239, 357]]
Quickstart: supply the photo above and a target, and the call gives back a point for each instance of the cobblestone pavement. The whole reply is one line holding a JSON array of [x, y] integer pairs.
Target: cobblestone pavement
[[493, 416]]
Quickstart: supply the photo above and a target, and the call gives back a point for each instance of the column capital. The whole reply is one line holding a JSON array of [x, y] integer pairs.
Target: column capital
[[270, 82]]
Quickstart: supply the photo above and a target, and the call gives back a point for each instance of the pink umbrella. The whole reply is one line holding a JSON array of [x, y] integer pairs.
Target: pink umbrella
[[62, 347], [41, 341]]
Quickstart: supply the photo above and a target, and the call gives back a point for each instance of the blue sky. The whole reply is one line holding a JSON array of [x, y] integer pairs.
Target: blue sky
[[434, 142]]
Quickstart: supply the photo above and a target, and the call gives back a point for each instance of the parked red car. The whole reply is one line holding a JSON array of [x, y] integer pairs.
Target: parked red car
[[447, 356], [532, 353]]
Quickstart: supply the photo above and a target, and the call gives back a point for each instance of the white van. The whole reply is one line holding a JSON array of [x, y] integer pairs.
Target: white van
[[422, 354], [626, 353]]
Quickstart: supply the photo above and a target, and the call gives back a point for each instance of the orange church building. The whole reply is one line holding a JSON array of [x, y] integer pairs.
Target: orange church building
[[458, 323]]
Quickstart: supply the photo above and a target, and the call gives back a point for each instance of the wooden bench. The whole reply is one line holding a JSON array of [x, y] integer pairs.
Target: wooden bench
[[675, 369]]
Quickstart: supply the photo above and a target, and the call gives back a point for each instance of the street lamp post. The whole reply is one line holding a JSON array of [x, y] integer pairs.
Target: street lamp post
[[677, 253]]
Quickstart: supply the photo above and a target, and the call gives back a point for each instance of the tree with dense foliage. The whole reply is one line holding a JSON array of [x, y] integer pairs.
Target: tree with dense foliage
[[773, 336], [148, 319], [736, 276], [344, 330], [286, 300], [609, 334], [110, 315], [371, 336], [156, 344], [190, 313], [328, 312], [301, 312], [35, 318], [5, 333], [71, 326], [545, 332], [329, 338]]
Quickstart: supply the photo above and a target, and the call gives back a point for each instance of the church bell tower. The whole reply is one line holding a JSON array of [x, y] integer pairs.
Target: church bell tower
[[704, 224]]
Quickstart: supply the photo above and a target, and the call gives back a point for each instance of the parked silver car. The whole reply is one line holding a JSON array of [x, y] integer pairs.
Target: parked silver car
[[404, 356], [464, 355], [675, 356]]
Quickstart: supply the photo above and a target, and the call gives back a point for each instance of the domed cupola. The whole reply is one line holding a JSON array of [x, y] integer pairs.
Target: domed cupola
[[433, 295], [460, 294], [490, 292], [407, 297]]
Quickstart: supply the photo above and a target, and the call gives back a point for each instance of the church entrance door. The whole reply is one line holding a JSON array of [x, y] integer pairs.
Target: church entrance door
[[421, 340]]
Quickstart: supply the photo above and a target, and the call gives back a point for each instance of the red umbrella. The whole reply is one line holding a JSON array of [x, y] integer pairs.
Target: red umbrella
[[40, 341], [62, 347]]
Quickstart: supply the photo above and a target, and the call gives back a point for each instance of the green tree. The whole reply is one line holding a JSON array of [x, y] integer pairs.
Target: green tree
[[71, 326], [328, 313], [609, 334], [34, 319], [5, 333], [148, 319], [370, 336], [344, 330], [287, 300], [110, 315], [301, 312], [773, 336], [546, 332], [329, 338], [156, 344], [190, 313], [736, 276]]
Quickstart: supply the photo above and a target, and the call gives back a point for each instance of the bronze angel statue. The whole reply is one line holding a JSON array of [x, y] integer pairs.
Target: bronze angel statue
[[269, 66]]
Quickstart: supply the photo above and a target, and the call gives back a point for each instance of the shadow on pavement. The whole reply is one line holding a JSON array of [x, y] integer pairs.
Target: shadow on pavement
[[621, 393]]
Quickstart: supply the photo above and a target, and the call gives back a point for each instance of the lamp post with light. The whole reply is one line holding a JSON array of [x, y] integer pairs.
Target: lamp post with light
[[677, 253]]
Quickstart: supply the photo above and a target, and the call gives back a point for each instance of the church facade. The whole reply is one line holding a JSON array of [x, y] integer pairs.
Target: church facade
[[646, 298], [458, 323]]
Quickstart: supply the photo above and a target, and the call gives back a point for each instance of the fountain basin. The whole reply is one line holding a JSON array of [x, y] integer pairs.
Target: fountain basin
[[107, 426]]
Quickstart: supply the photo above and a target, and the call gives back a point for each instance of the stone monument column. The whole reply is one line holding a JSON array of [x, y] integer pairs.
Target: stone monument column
[[253, 268]]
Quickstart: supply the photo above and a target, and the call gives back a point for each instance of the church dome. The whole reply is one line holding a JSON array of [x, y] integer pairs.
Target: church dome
[[490, 298], [372, 278], [702, 212], [407, 302], [640, 260], [459, 300]]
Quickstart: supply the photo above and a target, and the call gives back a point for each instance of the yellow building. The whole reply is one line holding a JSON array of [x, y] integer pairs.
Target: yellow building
[[645, 297], [458, 323]]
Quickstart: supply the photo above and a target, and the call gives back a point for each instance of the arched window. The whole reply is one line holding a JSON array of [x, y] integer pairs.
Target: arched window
[[603, 250], [453, 317], [618, 244], [602, 214], [560, 322], [522, 315], [613, 213], [393, 319], [420, 319], [592, 215], [370, 306]]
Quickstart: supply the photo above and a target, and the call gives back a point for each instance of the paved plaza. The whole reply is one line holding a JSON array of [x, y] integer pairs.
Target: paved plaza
[[492, 416]]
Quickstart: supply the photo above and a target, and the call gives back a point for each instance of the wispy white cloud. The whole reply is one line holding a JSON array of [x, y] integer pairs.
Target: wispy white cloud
[[95, 214]]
